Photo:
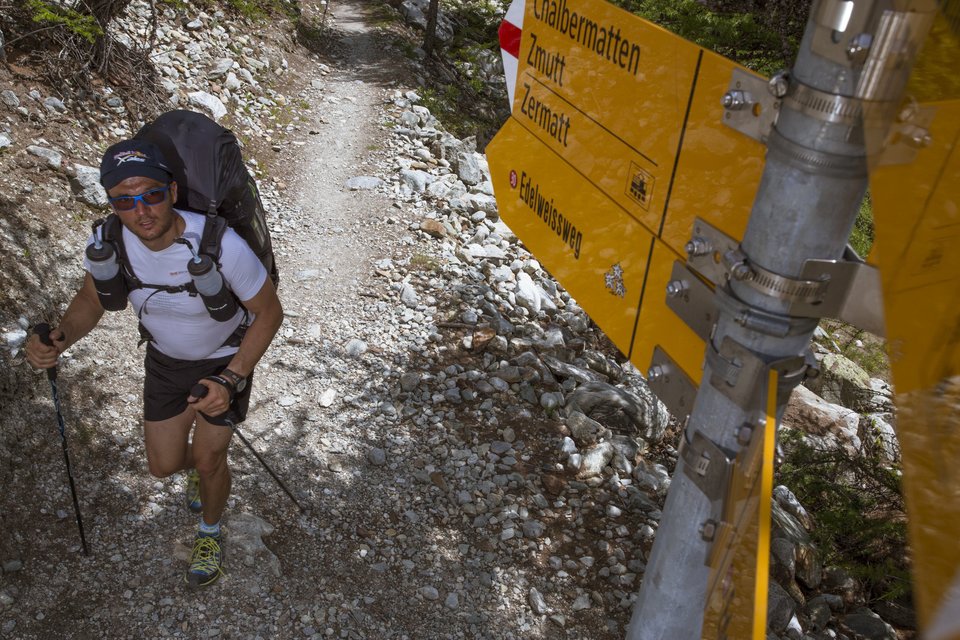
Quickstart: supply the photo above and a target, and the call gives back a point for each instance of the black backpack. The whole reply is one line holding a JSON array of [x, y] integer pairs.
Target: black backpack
[[211, 178]]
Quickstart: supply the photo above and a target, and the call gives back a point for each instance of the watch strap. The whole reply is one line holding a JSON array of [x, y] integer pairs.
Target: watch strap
[[225, 382]]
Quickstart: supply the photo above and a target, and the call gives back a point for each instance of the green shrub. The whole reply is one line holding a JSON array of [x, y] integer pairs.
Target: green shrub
[[861, 238], [83, 25], [738, 36], [858, 507]]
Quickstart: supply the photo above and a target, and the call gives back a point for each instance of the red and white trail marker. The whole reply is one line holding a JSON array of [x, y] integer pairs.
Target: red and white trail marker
[[511, 30]]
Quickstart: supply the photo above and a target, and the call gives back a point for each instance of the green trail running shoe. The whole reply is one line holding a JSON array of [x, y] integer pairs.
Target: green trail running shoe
[[205, 561], [193, 491]]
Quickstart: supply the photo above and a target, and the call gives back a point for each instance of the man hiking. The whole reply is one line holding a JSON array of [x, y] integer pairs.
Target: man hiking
[[186, 344]]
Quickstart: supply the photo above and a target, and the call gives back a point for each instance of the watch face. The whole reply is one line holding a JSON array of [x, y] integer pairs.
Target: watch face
[[239, 382]]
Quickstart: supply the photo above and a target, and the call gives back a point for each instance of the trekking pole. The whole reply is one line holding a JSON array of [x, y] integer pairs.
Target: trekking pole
[[43, 331], [199, 391]]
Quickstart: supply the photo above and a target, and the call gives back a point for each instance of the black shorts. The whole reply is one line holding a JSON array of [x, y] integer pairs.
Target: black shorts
[[168, 381]]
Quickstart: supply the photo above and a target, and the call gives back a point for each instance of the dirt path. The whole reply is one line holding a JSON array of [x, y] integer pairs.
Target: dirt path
[[335, 241]]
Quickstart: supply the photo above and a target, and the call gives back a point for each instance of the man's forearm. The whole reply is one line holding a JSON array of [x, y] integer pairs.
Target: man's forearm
[[82, 315], [256, 340]]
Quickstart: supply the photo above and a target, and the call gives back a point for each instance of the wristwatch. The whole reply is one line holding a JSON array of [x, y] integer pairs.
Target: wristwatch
[[239, 382]]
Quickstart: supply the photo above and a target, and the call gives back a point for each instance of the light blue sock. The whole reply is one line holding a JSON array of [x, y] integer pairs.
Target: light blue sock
[[209, 529]]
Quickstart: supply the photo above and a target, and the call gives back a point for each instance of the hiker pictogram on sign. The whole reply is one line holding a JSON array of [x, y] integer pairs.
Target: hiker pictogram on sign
[[640, 186]]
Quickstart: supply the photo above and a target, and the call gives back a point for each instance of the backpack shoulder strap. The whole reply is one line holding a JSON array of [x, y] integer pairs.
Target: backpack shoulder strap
[[210, 242], [111, 230]]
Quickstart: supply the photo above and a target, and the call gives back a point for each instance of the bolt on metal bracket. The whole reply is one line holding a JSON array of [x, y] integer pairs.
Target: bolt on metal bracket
[[668, 381], [706, 249], [749, 105], [908, 135], [692, 300]]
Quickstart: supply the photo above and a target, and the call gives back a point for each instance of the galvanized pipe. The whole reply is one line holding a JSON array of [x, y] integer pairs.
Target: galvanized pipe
[[813, 182]]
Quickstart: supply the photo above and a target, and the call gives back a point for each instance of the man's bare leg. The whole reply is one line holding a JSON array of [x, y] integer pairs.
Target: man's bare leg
[[210, 444], [168, 444]]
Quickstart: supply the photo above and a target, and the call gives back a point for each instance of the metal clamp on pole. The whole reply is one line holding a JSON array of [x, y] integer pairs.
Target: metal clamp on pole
[[707, 465], [736, 371], [773, 285]]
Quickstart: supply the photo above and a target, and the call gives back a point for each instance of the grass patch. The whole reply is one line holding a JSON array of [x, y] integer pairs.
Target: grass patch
[[861, 238], [423, 262]]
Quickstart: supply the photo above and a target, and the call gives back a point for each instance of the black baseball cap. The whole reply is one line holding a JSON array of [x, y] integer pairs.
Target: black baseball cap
[[133, 158]]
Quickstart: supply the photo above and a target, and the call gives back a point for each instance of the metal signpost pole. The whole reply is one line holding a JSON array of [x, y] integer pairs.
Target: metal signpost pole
[[813, 182]]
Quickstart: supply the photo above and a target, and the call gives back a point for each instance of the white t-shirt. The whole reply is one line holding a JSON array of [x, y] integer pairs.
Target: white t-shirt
[[180, 324]]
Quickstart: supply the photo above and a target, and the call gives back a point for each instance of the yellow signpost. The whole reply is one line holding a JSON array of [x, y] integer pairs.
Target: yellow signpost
[[615, 146]]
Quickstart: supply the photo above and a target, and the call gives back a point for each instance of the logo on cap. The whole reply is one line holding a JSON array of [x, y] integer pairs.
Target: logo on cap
[[130, 156]]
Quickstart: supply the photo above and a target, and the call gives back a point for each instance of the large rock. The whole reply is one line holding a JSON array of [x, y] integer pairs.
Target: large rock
[[246, 541], [85, 184], [209, 103], [867, 625], [783, 561], [879, 438], [415, 11], [780, 608], [841, 381], [621, 410], [827, 425], [808, 567], [584, 430]]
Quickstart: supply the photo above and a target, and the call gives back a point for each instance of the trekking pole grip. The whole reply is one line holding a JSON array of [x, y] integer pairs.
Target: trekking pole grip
[[199, 391], [43, 332]]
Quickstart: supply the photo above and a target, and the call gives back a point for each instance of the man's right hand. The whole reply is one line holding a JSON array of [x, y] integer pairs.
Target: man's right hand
[[42, 356]]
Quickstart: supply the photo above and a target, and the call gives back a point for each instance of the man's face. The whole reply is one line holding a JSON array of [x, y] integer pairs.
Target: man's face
[[152, 223]]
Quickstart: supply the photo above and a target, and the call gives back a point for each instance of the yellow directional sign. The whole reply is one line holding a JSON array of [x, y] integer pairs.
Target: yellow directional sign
[[614, 123], [917, 216], [587, 242], [615, 146], [592, 85]]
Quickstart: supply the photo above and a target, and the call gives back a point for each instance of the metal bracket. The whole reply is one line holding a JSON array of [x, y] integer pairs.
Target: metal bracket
[[707, 465], [735, 370], [854, 294], [908, 135], [668, 381], [749, 106], [706, 249], [692, 300], [849, 290]]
